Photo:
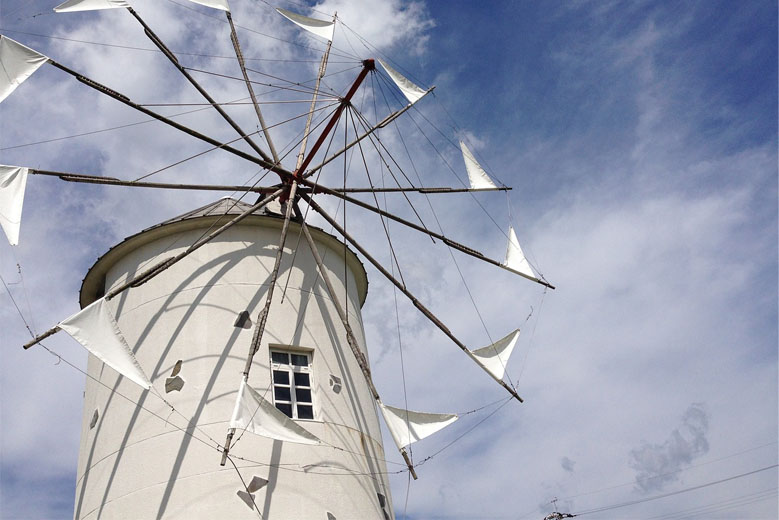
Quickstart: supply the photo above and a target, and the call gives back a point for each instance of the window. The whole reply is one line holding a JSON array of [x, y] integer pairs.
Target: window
[[291, 372]]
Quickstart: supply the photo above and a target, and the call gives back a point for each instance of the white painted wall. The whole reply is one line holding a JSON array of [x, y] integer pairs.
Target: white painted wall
[[138, 463]]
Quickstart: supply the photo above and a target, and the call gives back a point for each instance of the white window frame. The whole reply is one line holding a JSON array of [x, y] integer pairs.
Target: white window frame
[[292, 369]]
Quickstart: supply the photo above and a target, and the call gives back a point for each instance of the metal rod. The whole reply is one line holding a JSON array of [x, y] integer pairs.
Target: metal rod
[[287, 175], [322, 68], [242, 64], [169, 54], [156, 269], [362, 362], [41, 337], [408, 463], [161, 266], [368, 65], [259, 329], [405, 291], [417, 190], [263, 316], [226, 449], [389, 169], [194, 133], [113, 181], [384, 122], [350, 339], [316, 188], [284, 173]]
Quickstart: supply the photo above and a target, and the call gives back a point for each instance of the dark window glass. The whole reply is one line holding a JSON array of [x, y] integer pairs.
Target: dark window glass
[[301, 379], [305, 411], [282, 393], [303, 395], [292, 394], [280, 357], [299, 360], [281, 377], [286, 408]]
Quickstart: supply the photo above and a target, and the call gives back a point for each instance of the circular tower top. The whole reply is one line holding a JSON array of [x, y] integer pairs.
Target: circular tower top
[[218, 212]]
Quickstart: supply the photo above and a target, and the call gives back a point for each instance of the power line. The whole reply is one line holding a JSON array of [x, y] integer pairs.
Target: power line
[[92, 132], [670, 472], [335, 51], [722, 505], [673, 493], [147, 49]]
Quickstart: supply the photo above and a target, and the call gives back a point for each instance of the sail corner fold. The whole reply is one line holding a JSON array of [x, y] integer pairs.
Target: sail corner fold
[[17, 63], [494, 358], [411, 91], [215, 4], [407, 426], [96, 329], [257, 415], [321, 28], [476, 175], [71, 6], [515, 258], [13, 181]]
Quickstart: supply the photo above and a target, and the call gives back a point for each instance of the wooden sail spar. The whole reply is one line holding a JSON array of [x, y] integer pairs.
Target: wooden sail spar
[[243, 188], [292, 180]]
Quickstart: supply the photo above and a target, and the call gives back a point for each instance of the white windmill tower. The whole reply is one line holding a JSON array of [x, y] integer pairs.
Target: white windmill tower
[[190, 330], [189, 344]]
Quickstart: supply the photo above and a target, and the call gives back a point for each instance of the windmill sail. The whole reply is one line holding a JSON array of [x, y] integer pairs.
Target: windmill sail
[[89, 5], [17, 63], [13, 180], [476, 174], [97, 331], [255, 414], [494, 358], [216, 4], [407, 426], [412, 92], [515, 258], [319, 27]]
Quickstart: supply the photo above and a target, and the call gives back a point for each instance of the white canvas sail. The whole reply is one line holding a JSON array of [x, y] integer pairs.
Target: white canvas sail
[[89, 5], [494, 358], [476, 174], [17, 63], [13, 180], [216, 4], [407, 426], [412, 92], [96, 329], [321, 28], [515, 258], [255, 414]]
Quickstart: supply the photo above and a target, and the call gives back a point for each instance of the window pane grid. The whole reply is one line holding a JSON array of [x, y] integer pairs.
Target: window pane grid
[[292, 394]]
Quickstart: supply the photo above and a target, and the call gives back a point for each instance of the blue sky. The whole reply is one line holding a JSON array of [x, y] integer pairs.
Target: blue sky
[[641, 142]]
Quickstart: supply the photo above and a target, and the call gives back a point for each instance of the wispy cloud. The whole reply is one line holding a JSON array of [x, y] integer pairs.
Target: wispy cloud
[[658, 464], [382, 24]]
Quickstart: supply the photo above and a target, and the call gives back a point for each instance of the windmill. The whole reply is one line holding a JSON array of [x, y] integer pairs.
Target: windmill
[[164, 348]]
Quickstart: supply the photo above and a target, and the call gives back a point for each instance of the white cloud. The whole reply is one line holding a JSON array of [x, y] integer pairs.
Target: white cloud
[[384, 24], [658, 464]]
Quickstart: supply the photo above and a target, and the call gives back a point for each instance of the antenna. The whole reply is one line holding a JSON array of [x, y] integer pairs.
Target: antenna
[[556, 515]]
